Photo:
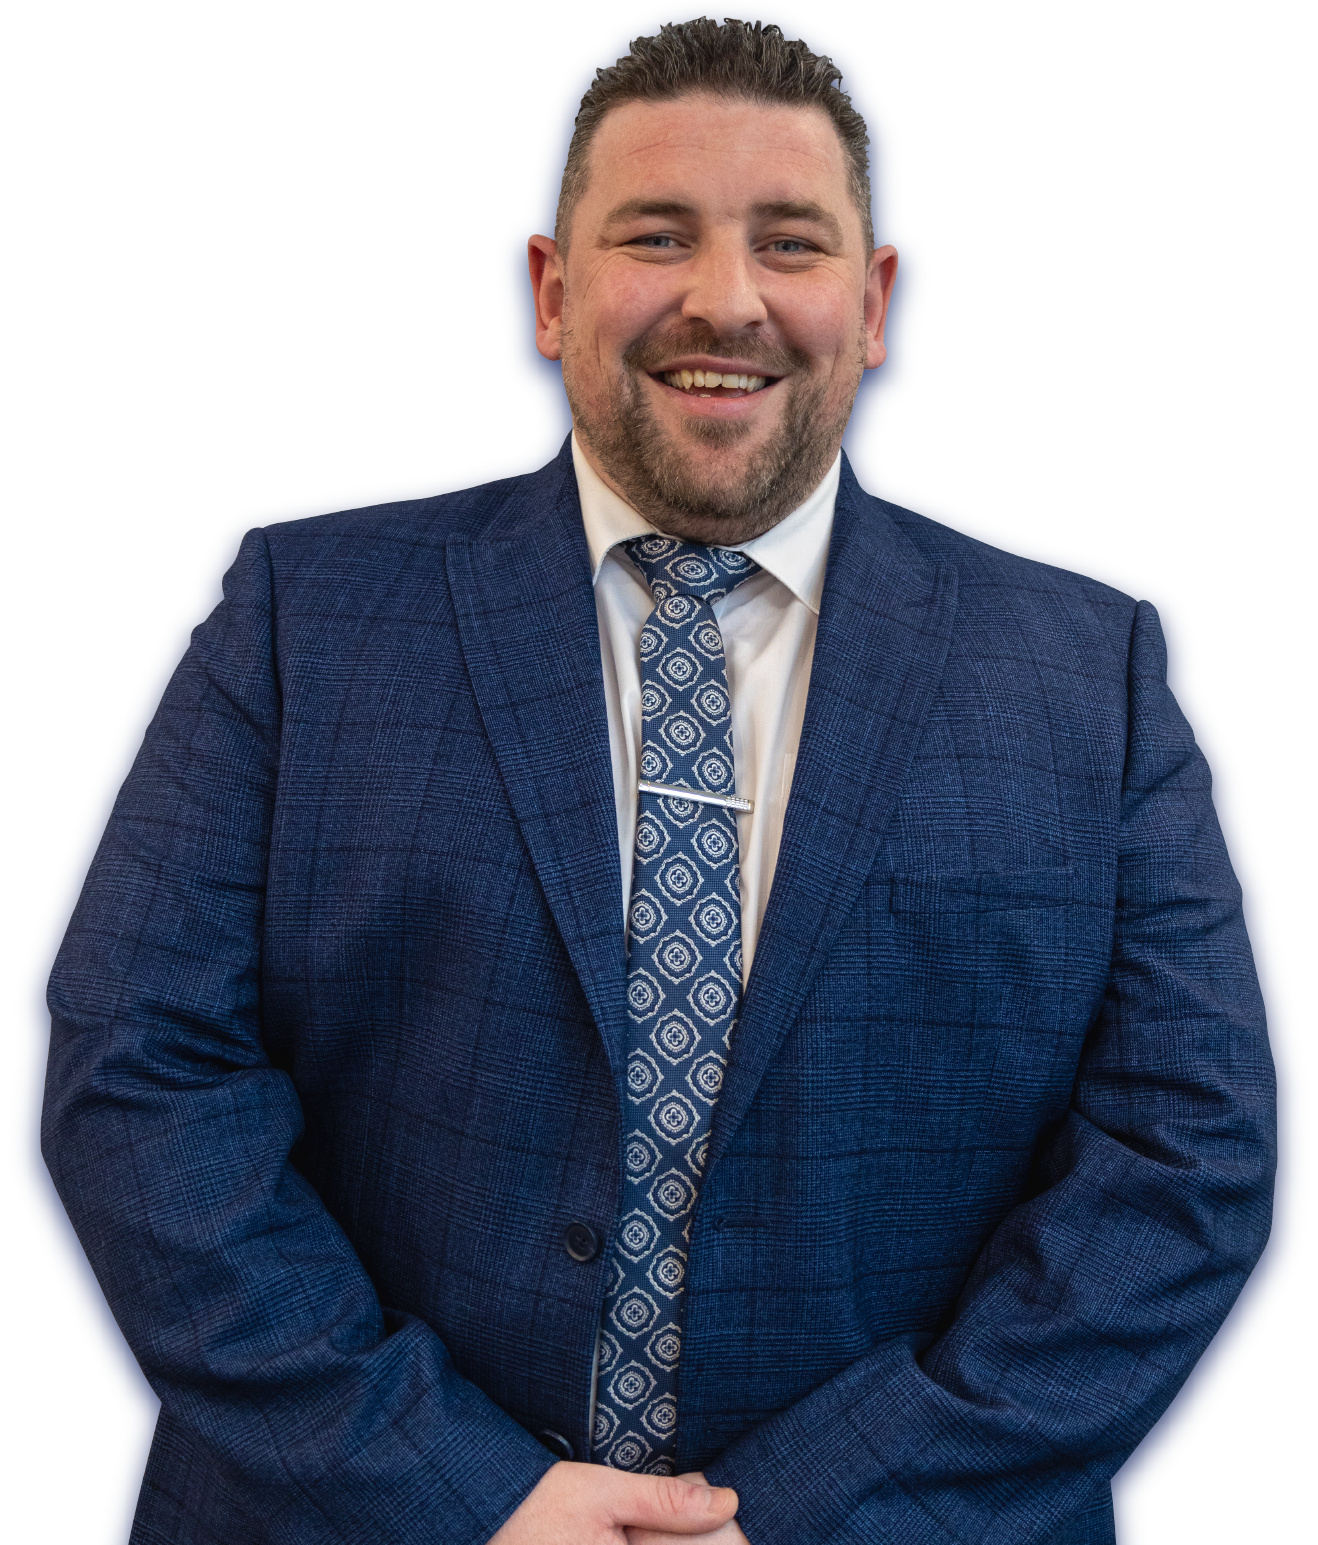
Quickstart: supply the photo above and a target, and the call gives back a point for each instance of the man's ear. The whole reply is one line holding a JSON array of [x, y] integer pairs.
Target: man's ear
[[547, 286], [878, 292]]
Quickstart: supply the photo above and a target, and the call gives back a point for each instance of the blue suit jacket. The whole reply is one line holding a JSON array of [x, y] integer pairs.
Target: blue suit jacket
[[339, 1033]]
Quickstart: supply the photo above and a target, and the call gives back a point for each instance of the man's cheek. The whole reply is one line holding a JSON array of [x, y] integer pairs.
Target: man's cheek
[[622, 304], [820, 317]]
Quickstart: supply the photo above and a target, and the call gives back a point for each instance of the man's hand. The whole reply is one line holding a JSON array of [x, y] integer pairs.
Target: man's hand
[[576, 1504], [726, 1534]]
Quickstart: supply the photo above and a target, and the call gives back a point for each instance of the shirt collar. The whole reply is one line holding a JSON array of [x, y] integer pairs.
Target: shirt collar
[[795, 551]]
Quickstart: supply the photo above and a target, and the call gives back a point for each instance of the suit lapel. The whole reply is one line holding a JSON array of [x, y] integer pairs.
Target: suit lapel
[[884, 625], [526, 617]]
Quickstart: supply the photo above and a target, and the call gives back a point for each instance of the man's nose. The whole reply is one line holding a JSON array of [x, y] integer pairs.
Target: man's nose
[[723, 288]]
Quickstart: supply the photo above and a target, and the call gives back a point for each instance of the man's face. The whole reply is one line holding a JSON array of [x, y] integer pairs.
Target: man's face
[[716, 236]]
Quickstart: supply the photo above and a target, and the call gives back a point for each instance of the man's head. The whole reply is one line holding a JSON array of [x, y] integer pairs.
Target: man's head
[[714, 218]]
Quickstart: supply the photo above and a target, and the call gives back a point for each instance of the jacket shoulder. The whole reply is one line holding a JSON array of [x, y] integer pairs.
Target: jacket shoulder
[[430, 521], [982, 566]]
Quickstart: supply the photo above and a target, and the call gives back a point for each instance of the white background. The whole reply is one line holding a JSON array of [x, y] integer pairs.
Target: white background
[[265, 260]]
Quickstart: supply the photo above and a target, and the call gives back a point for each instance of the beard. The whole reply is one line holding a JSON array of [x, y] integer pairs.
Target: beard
[[660, 478]]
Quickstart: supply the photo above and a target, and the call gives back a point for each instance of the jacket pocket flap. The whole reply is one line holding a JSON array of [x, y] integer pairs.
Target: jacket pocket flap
[[992, 890]]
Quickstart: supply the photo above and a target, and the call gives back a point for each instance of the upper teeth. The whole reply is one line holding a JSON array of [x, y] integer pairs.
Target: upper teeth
[[686, 379]]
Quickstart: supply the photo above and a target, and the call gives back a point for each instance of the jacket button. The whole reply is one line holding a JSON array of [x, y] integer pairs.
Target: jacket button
[[581, 1241], [556, 1443]]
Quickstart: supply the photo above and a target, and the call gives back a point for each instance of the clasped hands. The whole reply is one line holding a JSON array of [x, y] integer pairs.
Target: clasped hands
[[577, 1504]]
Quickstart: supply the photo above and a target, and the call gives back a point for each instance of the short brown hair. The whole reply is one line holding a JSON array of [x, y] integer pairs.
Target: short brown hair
[[749, 60]]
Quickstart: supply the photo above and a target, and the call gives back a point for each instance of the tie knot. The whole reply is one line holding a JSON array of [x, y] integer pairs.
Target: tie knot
[[686, 568]]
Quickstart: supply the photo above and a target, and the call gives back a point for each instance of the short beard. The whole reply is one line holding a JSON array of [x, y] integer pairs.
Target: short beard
[[657, 476]]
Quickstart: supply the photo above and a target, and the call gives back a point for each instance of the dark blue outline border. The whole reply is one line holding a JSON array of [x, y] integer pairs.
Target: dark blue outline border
[[879, 393]]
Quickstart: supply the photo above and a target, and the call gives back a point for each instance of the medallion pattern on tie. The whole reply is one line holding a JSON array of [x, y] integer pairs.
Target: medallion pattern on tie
[[683, 993]]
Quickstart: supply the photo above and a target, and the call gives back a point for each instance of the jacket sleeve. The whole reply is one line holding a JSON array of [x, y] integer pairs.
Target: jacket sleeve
[[1093, 1299], [168, 1132]]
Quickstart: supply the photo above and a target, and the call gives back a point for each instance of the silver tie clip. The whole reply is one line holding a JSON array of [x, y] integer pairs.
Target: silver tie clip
[[697, 796]]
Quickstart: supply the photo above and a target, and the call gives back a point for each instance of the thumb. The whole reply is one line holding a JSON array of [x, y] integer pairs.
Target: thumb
[[673, 1506]]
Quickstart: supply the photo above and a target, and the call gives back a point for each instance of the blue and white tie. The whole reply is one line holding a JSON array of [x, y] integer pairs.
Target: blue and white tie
[[683, 990]]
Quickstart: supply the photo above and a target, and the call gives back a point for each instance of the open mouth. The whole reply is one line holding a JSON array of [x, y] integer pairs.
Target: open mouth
[[713, 383]]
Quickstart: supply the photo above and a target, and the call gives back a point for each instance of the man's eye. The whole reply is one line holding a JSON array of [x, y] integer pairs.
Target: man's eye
[[658, 242], [789, 244]]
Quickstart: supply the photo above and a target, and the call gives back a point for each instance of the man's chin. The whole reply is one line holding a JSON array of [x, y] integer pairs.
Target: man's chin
[[712, 477], [702, 488], [723, 498], [718, 481]]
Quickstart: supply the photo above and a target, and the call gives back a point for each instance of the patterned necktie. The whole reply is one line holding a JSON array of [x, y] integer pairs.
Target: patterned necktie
[[683, 990]]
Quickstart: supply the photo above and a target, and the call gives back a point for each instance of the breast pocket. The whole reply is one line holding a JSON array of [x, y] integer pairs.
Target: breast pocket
[[979, 893], [988, 953], [983, 985]]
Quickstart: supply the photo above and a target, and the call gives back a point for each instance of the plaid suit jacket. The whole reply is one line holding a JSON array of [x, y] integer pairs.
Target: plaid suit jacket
[[339, 1032]]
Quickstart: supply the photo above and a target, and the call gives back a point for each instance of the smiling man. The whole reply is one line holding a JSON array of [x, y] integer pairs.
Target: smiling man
[[668, 996]]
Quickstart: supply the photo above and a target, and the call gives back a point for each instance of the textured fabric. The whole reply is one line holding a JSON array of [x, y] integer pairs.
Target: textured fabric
[[339, 1040], [683, 993], [768, 626]]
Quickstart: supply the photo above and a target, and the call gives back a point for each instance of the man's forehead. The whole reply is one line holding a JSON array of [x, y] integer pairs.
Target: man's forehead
[[670, 152]]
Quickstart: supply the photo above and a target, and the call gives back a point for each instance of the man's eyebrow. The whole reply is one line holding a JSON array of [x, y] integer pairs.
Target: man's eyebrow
[[634, 208], [778, 209], [792, 209]]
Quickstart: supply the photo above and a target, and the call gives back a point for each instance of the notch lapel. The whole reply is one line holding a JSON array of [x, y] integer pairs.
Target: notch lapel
[[526, 618], [885, 622]]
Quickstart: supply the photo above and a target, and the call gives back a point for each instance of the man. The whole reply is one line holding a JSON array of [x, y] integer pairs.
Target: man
[[669, 964]]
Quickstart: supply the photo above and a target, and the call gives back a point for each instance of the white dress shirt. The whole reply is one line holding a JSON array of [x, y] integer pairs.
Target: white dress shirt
[[768, 624]]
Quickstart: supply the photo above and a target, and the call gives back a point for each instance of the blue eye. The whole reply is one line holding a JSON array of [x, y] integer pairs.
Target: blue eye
[[790, 244], [658, 242]]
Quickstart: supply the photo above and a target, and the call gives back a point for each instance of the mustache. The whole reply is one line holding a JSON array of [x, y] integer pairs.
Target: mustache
[[656, 349]]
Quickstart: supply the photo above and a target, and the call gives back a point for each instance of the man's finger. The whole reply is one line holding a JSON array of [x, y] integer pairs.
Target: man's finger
[[671, 1506]]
